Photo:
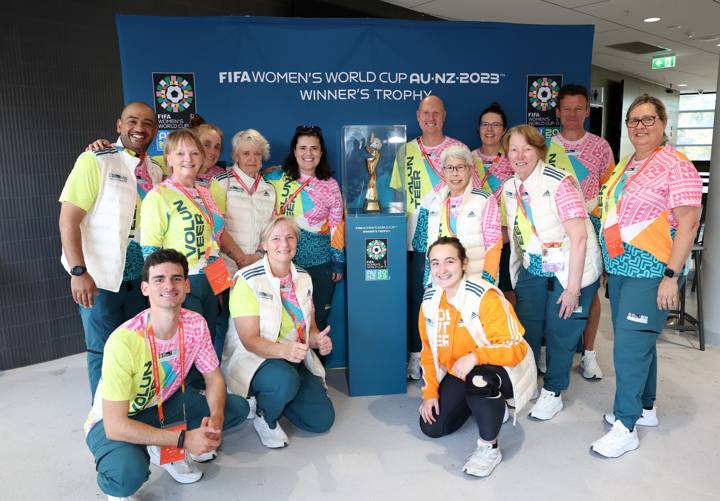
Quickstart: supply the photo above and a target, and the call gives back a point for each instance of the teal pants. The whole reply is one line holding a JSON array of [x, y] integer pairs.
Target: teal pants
[[282, 388], [323, 290], [202, 300], [637, 322], [108, 312], [538, 312], [122, 467]]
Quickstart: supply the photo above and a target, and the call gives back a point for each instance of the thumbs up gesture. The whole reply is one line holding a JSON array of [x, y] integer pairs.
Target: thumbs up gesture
[[322, 342]]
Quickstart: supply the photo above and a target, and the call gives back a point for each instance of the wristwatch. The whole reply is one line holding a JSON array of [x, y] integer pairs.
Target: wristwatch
[[78, 271], [669, 273]]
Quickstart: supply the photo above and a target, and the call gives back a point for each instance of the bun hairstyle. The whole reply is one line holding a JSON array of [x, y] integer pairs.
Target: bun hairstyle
[[493, 108]]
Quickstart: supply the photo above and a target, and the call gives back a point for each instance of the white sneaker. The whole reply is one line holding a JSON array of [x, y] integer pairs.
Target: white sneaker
[[617, 441], [506, 416], [126, 498], [547, 405], [542, 360], [183, 471], [648, 418], [271, 438], [413, 366], [483, 461], [203, 458], [252, 402], [589, 366]]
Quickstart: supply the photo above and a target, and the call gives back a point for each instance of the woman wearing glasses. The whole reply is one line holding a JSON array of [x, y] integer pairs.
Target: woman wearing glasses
[[462, 211], [305, 190], [493, 169], [555, 260], [650, 211]]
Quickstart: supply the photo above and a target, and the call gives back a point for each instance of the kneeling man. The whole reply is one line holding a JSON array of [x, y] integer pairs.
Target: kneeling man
[[142, 411]]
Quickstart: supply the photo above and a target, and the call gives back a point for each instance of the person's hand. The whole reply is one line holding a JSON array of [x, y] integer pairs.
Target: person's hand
[[336, 277], [568, 302], [201, 440], [253, 258], [214, 426], [295, 352], [83, 289], [426, 410], [322, 342], [98, 144], [667, 295], [464, 365]]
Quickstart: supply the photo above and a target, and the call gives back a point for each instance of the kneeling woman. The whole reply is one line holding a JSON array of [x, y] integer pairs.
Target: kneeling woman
[[471, 364], [269, 347]]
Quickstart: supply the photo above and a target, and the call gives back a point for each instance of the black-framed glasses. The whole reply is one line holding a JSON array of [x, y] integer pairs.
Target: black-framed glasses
[[491, 125], [647, 121], [308, 129]]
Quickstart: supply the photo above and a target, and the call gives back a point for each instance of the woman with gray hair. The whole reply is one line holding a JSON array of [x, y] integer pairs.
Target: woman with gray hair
[[269, 353], [460, 210], [247, 202]]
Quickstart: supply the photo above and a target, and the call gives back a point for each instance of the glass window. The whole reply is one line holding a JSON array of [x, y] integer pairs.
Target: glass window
[[696, 152], [694, 136], [692, 102], [695, 119]]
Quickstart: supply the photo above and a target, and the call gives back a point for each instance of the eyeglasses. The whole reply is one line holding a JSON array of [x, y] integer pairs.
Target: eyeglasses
[[455, 168], [308, 129], [493, 125], [646, 121]]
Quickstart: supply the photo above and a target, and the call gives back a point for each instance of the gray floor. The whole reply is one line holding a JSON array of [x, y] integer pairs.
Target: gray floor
[[376, 451]]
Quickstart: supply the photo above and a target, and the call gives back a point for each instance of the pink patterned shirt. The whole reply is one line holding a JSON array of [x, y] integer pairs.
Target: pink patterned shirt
[[569, 201], [596, 155], [667, 182]]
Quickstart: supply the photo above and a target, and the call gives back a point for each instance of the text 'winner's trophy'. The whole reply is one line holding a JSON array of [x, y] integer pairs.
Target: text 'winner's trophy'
[[373, 147]]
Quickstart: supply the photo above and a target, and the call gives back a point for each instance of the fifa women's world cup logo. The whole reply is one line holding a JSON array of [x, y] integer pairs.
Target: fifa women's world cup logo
[[373, 147]]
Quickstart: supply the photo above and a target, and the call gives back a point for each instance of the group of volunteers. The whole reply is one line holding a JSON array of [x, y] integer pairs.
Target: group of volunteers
[[204, 289]]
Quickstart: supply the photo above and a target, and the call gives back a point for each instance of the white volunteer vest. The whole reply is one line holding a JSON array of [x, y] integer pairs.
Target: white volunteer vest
[[245, 215], [467, 300], [107, 224], [238, 364], [541, 186]]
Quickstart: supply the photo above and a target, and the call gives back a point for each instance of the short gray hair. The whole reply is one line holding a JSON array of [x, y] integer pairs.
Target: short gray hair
[[270, 226], [254, 137], [459, 151]]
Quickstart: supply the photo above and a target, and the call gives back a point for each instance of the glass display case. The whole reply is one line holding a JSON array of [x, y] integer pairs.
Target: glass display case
[[368, 157]]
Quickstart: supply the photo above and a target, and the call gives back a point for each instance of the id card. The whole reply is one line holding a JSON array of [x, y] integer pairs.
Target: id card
[[169, 453], [218, 276], [553, 258], [613, 240]]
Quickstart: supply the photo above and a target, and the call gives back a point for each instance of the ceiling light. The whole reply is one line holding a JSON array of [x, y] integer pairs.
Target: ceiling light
[[682, 85], [651, 20]]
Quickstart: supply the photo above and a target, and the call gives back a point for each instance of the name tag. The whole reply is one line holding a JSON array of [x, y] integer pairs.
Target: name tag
[[553, 257], [640, 319], [264, 295]]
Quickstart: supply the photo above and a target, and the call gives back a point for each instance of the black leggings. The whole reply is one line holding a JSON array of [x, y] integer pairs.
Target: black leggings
[[456, 405]]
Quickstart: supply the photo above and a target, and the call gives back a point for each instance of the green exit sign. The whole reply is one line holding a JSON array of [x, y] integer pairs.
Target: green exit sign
[[659, 63]]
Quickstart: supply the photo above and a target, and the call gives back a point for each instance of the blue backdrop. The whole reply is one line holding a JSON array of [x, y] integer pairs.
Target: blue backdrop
[[272, 74]]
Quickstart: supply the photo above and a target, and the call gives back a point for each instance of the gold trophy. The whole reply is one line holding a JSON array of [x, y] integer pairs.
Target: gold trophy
[[372, 203]]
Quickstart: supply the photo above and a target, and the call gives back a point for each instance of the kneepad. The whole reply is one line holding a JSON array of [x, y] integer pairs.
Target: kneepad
[[482, 382]]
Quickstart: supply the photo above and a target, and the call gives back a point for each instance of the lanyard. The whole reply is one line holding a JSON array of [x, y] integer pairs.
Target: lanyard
[[294, 195], [521, 205], [427, 159], [156, 368], [629, 181], [447, 217], [206, 217], [296, 322], [490, 169], [249, 191]]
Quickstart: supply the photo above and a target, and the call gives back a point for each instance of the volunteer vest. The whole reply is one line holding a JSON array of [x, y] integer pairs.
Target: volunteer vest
[[559, 158], [245, 215], [523, 376], [238, 364], [541, 185], [105, 228], [469, 228]]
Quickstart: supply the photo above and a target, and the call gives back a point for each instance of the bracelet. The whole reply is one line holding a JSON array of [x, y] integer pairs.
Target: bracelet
[[181, 440]]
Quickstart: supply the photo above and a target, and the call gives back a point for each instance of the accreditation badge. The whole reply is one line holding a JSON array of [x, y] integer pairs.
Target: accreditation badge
[[553, 257], [613, 240], [218, 276], [169, 453]]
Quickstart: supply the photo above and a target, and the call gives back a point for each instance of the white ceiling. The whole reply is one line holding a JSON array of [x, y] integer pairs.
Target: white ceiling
[[616, 21]]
